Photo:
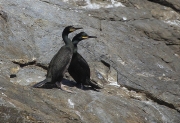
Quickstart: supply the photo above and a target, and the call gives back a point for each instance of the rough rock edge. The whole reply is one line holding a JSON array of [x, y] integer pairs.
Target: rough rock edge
[[148, 95]]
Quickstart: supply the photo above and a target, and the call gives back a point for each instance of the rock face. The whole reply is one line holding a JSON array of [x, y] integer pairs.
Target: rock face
[[136, 58]]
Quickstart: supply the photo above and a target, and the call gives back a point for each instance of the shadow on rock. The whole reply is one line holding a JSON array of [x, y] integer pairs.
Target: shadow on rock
[[68, 83], [65, 82]]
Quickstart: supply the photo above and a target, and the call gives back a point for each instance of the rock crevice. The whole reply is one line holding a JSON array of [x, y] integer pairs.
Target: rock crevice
[[167, 3]]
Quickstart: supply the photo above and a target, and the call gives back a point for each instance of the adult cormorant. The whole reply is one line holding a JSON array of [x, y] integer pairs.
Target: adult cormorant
[[60, 62], [79, 68]]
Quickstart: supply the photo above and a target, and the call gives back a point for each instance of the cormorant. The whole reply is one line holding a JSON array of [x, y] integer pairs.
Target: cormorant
[[79, 68], [60, 62]]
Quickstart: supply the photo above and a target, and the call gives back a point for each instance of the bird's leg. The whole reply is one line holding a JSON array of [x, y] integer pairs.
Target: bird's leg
[[62, 87], [80, 85]]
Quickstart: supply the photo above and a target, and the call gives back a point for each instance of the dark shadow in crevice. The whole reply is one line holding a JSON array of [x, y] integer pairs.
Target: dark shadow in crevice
[[105, 63], [31, 63], [42, 66], [24, 64], [13, 76], [165, 3], [153, 98]]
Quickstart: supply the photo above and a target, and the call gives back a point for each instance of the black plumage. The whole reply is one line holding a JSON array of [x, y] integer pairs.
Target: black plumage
[[79, 68], [60, 62]]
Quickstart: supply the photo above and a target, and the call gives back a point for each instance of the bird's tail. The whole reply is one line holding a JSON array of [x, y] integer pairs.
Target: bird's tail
[[94, 84], [40, 84]]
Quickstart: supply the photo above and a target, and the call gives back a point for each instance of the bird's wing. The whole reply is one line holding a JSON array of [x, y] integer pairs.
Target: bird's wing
[[83, 63], [61, 60]]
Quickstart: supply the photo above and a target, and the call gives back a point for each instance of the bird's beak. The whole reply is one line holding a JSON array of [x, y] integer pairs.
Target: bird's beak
[[73, 29], [78, 28], [92, 37]]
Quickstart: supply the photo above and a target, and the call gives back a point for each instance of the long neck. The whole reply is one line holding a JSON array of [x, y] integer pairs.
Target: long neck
[[75, 48], [66, 40], [75, 42]]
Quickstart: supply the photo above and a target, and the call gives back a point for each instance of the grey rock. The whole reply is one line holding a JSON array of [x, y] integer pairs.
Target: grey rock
[[135, 58]]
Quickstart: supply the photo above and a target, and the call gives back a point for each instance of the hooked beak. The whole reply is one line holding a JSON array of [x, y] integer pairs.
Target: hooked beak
[[78, 28], [74, 29], [92, 37]]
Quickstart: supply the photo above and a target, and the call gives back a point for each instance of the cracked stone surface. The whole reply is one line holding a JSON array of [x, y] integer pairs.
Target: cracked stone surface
[[136, 58]]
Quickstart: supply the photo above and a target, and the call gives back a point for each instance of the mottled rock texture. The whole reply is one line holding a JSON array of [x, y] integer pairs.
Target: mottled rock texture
[[136, 57]]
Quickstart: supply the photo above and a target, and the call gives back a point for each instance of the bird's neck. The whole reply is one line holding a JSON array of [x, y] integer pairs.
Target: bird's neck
[[75, 42], [75, 49], [66, 40]]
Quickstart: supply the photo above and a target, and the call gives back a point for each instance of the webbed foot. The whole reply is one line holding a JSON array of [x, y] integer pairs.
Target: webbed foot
[[62, 87]]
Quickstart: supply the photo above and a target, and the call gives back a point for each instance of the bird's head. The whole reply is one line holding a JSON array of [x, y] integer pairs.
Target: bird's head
[[81, 36], [70, 29]]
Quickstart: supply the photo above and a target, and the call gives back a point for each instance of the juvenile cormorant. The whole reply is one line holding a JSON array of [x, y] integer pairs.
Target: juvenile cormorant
[[79, 68], [60, 62]]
